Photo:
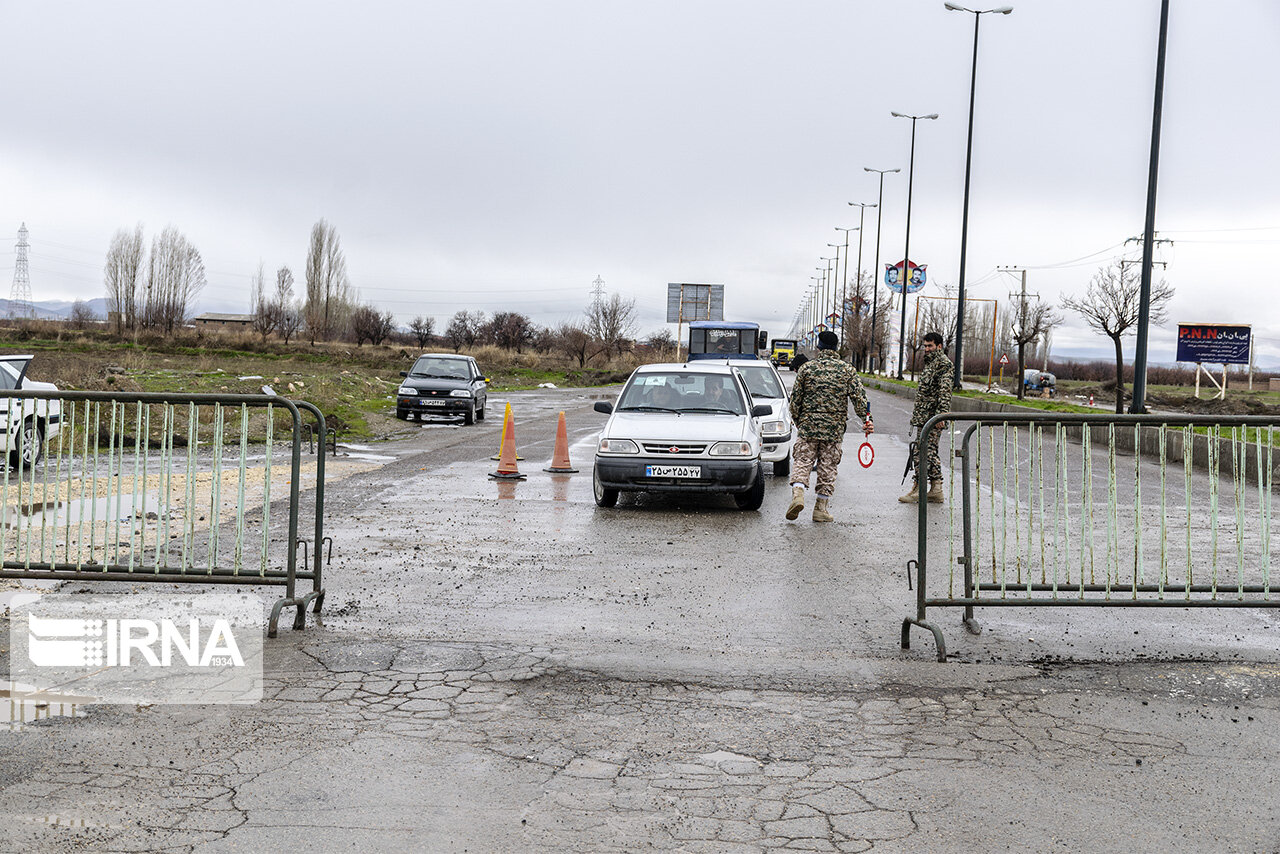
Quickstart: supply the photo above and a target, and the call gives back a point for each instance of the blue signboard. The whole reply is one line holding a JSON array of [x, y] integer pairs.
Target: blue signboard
[[1213, 343]]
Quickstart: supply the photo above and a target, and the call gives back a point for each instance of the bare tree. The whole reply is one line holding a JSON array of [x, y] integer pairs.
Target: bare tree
[[264, 318], [612, 323], [574, 341], [290, 321], [510, 330], [328, 298], [1110, 306], [122, 275], [175, 275], [81, 315], [463, 329], [369, 324], [422, 329]]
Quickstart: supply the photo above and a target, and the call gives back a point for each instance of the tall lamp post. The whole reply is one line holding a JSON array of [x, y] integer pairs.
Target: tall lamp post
[[1139, 405], [844, 290], [875, 284], [829, 281], [906, 252], [968, 160], [837, 285], [862, 208], [813, 304]]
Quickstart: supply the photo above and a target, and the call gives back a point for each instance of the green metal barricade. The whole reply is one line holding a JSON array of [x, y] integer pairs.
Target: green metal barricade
[[158, 487], [1096, 510]]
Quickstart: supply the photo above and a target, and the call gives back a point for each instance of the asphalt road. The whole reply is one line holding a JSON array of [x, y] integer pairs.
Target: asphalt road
[[506, 667]]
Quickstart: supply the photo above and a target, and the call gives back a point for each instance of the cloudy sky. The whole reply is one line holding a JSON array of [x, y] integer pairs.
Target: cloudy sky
[[503, 155]]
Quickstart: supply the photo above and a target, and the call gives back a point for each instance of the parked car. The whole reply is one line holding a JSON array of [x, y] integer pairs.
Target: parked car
[[443, 384], [682, 428], [29, 422], [777, 434]]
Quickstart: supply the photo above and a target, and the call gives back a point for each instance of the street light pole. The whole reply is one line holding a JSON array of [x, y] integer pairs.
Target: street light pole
[[844, 289], [862, 209], [968, 161], [1139, 406], [875, 282], [904, 279], [837, 286]]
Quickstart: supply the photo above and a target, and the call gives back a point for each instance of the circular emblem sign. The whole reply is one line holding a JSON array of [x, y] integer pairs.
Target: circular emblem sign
[[866, 455]]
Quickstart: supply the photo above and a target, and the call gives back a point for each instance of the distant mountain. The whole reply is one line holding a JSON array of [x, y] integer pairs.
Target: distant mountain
[[57, 309]]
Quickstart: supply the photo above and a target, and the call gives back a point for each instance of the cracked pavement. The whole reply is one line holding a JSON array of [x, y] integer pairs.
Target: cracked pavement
[[534, 674]]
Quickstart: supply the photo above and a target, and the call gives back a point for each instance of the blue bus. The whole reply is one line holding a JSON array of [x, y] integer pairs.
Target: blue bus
[[721, 339]]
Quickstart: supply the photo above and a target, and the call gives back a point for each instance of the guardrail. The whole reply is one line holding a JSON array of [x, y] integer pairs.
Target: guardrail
[[1063, 509], [159, 487]]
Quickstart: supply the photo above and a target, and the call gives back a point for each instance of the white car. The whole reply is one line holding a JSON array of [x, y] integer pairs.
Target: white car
[[28, 423], [776, 430], [682, 428]]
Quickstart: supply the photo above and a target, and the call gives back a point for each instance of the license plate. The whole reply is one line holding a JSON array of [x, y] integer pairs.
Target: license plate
[[431, 403], [673, 471]]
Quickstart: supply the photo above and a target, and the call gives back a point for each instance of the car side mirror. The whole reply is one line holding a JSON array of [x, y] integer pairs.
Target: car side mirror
[[760, 410], [484, 379], [404, 373], [603, 406]]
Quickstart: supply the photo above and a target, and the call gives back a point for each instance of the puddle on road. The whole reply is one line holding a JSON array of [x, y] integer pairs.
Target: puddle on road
[[364, 452], [108, 508], [24, 705]]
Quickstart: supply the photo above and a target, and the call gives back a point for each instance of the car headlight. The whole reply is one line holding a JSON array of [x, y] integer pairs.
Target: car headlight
[[731, 449], [773, 428], [618, 446], [460, 392], [405, 389]]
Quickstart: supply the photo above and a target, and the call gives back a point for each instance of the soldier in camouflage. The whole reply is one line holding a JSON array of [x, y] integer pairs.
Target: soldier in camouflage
[[824, 388], [933, 396]]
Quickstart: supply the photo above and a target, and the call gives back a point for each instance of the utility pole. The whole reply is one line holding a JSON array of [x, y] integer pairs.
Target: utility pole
[[1020, 331]]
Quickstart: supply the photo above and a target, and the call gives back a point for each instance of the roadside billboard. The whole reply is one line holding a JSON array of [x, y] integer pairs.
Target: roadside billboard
[[1214, 343], [686, 302]]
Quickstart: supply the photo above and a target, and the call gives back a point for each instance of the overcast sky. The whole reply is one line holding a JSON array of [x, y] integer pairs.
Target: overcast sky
[[502, 155]]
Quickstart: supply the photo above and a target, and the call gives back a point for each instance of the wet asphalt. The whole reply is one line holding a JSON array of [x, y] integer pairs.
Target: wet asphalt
[[504, 666]]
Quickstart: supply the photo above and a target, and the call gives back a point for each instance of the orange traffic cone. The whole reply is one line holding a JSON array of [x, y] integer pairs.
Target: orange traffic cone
[[506, 420], [507, 468], [560, 457]]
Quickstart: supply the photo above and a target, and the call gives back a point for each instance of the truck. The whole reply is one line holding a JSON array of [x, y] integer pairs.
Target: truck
[[722, 339], [783, 353], [1041, 383]]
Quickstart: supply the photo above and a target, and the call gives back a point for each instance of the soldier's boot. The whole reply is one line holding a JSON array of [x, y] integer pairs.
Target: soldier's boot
[[797, 502], [934, 496], [820, 513], [913, 496]]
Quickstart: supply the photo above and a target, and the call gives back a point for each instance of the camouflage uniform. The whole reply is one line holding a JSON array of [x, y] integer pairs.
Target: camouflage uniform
[[932, 397], [824, 388]]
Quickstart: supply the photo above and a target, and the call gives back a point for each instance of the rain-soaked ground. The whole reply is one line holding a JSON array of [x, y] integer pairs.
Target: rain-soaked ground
[[503, 666]]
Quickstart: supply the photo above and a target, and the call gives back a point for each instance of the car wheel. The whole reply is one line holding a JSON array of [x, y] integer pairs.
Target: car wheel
[[782, 468], [402, 414], [480, 413], [30, 445], [753, 497], [469, 417], [605, 497]]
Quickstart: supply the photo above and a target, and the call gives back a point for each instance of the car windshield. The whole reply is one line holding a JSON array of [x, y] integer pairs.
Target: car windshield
[[762, 381], [440, 368], [682, 392]]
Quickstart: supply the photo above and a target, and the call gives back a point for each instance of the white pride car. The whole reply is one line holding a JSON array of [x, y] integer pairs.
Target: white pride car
[[27, 423], [777, 434], [682, 428]]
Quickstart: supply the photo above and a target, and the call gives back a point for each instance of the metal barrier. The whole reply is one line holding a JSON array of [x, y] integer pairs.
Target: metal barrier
[[158, 487], [1062, 509]]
